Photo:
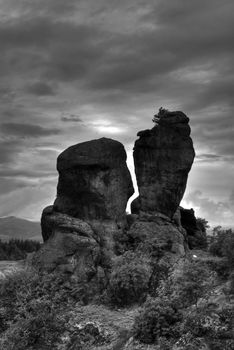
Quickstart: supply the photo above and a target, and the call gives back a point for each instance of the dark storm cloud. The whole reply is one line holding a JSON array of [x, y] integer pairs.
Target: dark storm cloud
[[40, 89], [71, 118], [26, 173], [9, 149], [59, 50], [27, 130], [9, 184]]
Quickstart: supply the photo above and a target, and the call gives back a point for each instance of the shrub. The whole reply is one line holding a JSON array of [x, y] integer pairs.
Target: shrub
[[228, 247], [158, 318], [221, 267], [39, 328], [129, 279], [193, 283], [30, 309], [215, 327], [222, 244], [232, 283], [161, 112]]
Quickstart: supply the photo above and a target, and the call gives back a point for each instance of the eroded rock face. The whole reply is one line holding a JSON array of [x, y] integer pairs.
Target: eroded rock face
[[163, 157], [159, 230], [94, 181], [71, 246]]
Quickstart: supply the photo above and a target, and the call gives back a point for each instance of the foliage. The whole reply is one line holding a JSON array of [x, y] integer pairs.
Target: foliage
[[202, 224], [232, 283], [222, 245], [214, 326], [88, 334], [39, 327], [17, 249], [30, 305], [220, 267], [129, 279], [198, 241], [193, 283], [161, 112], [158, 318]]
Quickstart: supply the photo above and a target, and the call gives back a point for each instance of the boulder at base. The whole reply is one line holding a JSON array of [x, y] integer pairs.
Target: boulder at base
[[71, 248]]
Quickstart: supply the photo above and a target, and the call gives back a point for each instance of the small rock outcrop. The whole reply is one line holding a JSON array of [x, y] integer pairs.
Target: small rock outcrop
[[196, 234], [160, 231], [94, 181], [163, 157], [71, 244]]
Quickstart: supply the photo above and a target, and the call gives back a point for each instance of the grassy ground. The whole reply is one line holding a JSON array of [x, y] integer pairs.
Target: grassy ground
[[9, 267]]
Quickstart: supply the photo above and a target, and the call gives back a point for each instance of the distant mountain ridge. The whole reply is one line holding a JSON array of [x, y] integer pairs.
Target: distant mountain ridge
[[12, 227]]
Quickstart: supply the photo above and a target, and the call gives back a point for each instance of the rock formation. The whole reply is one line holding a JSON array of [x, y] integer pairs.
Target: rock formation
[[159, 230], [163, 157], [71, 243], [93, 189], [81, 230], [94, 181], [196, 234]]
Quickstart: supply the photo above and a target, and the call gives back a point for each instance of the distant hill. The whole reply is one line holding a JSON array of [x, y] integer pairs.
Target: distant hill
[[16, 228]]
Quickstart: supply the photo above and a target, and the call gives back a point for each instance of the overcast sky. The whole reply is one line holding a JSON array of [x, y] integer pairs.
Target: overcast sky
[[76, 70]]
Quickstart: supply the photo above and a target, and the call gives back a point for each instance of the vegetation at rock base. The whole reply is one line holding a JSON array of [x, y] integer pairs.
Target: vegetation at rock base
[[191, 306], [222, 244], [129, 279], [158, 318]]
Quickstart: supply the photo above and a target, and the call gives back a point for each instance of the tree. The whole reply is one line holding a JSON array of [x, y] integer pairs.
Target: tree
[[161, 112], [202, 224]]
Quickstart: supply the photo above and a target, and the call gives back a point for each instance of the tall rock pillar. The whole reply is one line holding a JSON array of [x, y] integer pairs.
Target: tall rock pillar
[[163, 157]]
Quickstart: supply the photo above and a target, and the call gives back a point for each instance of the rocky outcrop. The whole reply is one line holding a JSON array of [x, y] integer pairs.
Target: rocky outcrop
[[163, 157], [87, 221], [94, 181], [71, 248], [93, 189], [196, 234], [158, 230]]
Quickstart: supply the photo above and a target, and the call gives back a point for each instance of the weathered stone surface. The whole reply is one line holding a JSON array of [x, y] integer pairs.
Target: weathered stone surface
[[51, 221], [71, 246], [163, 157], [94, 181], [158, 229]]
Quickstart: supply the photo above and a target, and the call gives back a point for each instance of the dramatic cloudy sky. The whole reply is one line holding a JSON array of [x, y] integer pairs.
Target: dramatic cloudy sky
[[80, 69]]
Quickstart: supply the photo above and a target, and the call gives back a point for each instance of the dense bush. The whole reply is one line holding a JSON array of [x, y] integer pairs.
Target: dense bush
[[193, 283], [220, 267], [222, 243], [232, 283], [30, 310], [39, 327], [158, 318], [17, 249], [129, 279], [214, 326]]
